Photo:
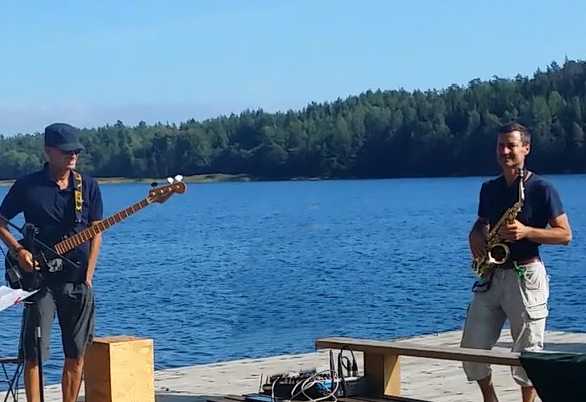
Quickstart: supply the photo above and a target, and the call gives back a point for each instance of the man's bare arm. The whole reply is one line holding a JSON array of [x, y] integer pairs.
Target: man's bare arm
[[95, 244], [477, 237], [8, 238], [25, 258], [558, 232]]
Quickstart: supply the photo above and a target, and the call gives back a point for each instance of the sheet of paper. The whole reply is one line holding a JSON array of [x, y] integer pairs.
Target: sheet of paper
[[9, 297]]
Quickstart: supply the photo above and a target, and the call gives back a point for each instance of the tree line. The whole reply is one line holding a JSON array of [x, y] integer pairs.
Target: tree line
[[394, 133]]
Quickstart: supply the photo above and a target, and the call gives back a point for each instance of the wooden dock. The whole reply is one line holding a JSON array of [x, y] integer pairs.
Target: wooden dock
[[434, 380]]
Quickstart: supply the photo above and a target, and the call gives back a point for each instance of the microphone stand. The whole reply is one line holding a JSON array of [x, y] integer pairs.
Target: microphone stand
[[30, 232]]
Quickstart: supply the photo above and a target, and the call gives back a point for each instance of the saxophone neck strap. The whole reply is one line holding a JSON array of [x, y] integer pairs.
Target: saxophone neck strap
[[525, 174]]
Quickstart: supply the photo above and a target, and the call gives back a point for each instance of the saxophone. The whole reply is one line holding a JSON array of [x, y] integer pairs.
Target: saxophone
[[497, 251]]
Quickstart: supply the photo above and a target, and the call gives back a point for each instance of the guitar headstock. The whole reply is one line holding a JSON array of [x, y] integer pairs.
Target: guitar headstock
[[163, 193]]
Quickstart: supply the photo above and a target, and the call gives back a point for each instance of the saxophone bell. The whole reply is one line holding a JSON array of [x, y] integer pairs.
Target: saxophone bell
[[498, 254]]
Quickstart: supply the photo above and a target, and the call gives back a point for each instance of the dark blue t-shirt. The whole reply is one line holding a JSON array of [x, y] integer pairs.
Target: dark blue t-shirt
[[542, 203], [52, 211]]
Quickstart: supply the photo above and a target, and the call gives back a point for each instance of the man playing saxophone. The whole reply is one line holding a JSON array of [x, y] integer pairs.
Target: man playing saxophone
[[519, 211]]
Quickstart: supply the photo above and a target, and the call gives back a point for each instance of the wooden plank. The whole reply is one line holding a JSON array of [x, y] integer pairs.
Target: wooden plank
[[383, 399], [418, 350], [226, 398], [223, 398], [384, 373], [392, 375], [240, 398], [374, 371], [235, 397]]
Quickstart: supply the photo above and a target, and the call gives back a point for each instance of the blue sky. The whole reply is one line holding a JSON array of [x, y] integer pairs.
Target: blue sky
[[92, 63]]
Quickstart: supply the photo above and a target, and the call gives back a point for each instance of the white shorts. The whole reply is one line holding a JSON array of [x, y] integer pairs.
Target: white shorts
[[523, 302]]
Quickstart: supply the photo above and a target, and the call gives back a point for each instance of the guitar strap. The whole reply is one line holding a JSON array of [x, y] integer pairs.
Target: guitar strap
[[77, 195]]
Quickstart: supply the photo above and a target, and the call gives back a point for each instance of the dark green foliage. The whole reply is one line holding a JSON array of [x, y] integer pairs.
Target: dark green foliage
[[375, 134]]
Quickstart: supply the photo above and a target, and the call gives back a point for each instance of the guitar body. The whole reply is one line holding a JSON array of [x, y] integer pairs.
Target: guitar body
[[18, 278]]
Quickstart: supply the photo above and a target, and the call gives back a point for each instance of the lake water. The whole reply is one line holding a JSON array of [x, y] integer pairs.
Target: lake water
[[236, 270]]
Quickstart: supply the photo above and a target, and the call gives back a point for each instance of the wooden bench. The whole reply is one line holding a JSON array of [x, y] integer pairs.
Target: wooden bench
[[382, 366]]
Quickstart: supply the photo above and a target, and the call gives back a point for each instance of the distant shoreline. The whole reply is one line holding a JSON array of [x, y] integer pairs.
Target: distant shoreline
[[199, 178], [220, 177]]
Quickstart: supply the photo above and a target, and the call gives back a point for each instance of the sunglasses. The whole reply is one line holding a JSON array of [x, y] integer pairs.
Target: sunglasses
[[74, 152]]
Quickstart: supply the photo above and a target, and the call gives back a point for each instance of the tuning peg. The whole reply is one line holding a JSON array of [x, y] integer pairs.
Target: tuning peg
[[170, 180], [178, 178], [154, 184]]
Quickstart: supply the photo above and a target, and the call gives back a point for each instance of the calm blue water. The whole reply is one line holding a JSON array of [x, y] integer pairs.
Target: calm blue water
[[237, 270]]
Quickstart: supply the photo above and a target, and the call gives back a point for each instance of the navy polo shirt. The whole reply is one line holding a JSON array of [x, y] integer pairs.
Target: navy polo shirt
[[52, 211], [542, 203]]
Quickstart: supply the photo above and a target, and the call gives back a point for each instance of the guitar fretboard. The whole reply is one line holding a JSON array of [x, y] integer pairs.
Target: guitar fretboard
[[89, 233]]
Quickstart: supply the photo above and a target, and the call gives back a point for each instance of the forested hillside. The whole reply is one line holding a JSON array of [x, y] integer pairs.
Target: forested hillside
[[393, 133]]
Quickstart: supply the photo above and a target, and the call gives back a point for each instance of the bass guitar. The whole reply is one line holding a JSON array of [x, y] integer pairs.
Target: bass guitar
[[51, 262]]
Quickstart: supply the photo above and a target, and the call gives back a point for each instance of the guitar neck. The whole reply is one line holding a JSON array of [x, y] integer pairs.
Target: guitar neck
[[89, 233]]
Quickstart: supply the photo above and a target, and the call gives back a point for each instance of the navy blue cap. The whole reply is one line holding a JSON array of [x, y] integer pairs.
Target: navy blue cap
[[63, 136]]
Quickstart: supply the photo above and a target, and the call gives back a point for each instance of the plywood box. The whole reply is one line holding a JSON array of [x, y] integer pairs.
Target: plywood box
[[120, 369]]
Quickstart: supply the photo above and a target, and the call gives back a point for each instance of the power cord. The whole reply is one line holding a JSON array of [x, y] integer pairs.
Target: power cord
[[318, 380], [312, 381], [351, 367], [301, 388]]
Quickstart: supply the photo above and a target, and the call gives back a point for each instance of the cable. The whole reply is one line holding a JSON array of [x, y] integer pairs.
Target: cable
[[273, 388], [310, 382], [301, 387], [351, 368]]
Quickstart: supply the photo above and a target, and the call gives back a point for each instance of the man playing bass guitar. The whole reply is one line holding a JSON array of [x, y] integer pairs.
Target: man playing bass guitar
[[58, 201]]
